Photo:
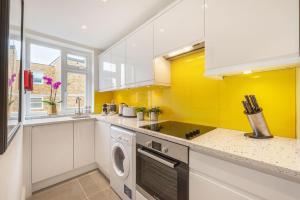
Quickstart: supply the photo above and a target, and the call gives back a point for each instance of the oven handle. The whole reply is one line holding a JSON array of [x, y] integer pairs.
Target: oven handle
[[162, 161]]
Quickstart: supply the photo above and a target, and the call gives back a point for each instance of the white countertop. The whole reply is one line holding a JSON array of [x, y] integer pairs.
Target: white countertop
[[277, 156]]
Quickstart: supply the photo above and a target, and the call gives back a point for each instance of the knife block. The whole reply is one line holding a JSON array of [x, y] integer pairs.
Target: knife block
[[259, 126]]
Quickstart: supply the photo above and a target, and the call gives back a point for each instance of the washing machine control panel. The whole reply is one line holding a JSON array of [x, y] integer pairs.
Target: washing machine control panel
[[123, 139]]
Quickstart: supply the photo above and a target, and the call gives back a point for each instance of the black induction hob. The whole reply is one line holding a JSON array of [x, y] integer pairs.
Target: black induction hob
[[179, 129]]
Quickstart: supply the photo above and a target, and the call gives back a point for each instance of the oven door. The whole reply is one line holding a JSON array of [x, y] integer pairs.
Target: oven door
[[159, 177]]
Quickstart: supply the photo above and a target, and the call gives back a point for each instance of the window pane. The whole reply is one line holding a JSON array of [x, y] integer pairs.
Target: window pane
[[44, 61], [36, 103], [13, 83], [38, 77], [76, 87], [76, 61]]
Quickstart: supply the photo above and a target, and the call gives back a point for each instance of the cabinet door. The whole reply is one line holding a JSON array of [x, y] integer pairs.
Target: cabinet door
[[105, 71], [118, 55], [52, 150], [243, 32], [179, 27], [102, 146], [84, 135], [202, 188], [140, 56]]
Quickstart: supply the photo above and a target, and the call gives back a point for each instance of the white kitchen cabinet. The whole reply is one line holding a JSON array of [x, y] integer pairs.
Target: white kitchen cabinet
[[118, 56], [84, 143], [202, 188], [179, 27], [139, 55], [212, 178], [106, 69], [250, 35], [52, 150], [102, 146]]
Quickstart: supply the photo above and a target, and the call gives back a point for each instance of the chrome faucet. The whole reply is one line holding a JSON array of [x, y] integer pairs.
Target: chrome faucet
[[78, 100]]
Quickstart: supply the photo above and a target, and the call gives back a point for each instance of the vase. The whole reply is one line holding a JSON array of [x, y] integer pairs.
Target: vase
[[52, 109], [140, 116], [153, 116]]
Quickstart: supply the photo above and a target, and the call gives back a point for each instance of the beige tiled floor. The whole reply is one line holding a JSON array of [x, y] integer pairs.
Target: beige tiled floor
[[91, 186]]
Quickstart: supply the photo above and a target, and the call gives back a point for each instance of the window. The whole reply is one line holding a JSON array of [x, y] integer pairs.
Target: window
[[36, 103], [76, 87], [38, 78], [76, 61], [69, 67]]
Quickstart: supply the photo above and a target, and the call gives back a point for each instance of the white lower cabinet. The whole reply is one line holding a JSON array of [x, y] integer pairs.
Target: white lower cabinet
[[52, 150], [203, 188], [214, 179], [102, 146], [84, 136]]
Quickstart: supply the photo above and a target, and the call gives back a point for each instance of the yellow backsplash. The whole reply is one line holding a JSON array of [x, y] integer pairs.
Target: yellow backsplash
[[195, 98]]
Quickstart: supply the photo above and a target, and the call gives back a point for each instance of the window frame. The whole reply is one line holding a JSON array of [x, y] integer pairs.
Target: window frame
[[37, 96], [65, 69]]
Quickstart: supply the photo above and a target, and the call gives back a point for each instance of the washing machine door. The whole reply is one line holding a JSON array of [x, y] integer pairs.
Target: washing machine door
[[120, 160]]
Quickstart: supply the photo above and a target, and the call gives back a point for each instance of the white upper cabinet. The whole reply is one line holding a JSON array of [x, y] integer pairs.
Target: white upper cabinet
[[250, 34], [105, 71], [179, 27], [140, 55], [118, 56]]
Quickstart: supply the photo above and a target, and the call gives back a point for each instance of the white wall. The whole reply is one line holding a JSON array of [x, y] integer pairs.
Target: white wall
[[11, 169]]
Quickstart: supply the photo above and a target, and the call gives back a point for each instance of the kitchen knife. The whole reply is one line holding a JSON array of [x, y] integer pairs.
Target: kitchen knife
[[246, 106], [249, 104], [255, 104]]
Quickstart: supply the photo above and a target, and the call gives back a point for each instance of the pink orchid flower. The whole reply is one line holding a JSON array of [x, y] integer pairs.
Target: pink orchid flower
[[48, 80], [56, 85]]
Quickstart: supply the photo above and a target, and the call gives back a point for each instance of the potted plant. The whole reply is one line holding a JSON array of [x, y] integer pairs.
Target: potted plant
[[153, 113], [140, 111], [52, 109]]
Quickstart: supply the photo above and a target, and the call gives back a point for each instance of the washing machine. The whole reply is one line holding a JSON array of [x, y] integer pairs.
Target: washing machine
[[122, 167]]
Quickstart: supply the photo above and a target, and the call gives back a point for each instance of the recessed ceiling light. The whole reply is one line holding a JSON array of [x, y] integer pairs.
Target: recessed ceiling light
[[83, 27], [104, 1]]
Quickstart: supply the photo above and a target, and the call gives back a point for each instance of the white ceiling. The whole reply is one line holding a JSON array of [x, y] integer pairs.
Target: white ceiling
[[106, 22]]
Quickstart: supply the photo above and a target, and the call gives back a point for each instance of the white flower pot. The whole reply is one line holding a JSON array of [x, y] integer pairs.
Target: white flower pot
[[140, 116], [153, 116]]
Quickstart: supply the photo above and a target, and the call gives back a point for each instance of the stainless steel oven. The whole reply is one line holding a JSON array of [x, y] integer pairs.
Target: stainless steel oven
[[162, 171]]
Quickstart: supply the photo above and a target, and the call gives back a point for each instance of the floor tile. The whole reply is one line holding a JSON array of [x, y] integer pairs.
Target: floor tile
[[100, 180], [89, 185], [70, 190], [107, 194]]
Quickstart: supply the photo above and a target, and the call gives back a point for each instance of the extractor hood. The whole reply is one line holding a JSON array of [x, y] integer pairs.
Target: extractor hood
[[184, 51]]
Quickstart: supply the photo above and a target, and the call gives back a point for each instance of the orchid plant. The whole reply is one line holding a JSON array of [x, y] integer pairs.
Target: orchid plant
[[53, 90]]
